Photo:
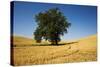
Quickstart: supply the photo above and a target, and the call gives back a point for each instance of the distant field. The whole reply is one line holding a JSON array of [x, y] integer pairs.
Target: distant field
[[26, 52]]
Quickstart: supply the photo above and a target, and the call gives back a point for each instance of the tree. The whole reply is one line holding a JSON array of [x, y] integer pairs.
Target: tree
[[51, 25]]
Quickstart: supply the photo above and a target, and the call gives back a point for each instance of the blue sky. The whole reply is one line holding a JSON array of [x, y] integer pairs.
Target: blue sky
[[82, 18]]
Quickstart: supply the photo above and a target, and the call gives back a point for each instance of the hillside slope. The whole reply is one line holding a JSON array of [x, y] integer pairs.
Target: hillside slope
[[82, 50], [23, 41], [19, 40], [88, 43]]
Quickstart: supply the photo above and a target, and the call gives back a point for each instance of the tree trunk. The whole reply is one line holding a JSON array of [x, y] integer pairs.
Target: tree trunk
[[56, 42], [52, 43]]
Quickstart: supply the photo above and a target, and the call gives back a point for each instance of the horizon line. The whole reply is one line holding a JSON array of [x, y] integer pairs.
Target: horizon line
[[61, 37]]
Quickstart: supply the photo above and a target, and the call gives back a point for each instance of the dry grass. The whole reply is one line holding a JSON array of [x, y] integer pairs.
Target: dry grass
[[79, 51]]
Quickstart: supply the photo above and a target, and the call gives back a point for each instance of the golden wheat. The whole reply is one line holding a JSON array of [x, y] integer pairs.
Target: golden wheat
[[82, 50]]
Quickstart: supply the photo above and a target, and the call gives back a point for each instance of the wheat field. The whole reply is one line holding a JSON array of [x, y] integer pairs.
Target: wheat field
[[28, 52]]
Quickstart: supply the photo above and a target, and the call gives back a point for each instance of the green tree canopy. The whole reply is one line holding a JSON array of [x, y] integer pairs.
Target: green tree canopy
[[51, 24]]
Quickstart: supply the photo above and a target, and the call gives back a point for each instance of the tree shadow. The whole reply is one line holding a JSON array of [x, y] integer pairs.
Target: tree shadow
[[66, 43], [60, 44], [71, 42]]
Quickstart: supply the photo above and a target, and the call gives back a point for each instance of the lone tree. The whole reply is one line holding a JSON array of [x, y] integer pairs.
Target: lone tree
[[51, 25]]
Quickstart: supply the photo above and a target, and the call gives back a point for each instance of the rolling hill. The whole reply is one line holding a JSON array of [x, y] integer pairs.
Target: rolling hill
[[24, 41], [19, 40], [82, 50]]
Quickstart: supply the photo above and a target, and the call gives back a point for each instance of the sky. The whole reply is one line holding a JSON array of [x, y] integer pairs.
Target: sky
[[83, 19]]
